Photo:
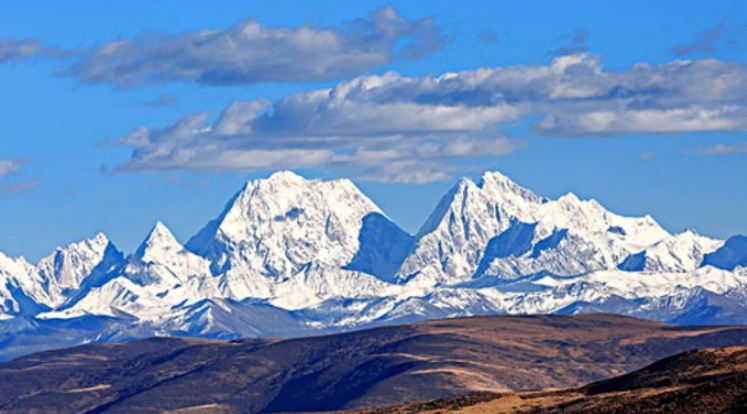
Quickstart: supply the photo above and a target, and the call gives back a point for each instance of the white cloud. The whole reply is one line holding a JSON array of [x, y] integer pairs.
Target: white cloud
[[250, 53], [8, 167], [406, 129], [14, 51]]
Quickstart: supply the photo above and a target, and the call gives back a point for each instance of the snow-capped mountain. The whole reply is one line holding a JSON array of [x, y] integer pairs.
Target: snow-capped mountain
[[66, 269], [497, 228], [291, 256], [682, 252], [275, 227]]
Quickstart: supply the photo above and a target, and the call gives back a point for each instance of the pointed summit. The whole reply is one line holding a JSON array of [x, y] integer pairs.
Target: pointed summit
[[496, 178], [160, 233], [501, 186], [161, 260], [159, 241], [570, 198]]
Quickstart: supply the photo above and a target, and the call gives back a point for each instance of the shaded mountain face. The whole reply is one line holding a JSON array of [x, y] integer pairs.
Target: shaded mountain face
[[731, 255], [370, 368], [382, 248], [322, 257]]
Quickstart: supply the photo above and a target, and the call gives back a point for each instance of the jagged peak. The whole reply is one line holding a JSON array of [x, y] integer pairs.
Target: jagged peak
[[100, 240], [497, 183], [570, 198], [464, 182], [161, 238], [160, 232], [443, 206], [495, 177], [96, 245]]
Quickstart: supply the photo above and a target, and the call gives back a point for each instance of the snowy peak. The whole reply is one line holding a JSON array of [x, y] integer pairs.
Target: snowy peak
[[162, 261], [319, 255], [159, 242], [464, 237], [286, 197], [682, 252], [279, 225], [501, 187], [68, 267]]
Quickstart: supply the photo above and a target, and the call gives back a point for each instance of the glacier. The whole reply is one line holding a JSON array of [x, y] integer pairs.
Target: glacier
[[290, 256]]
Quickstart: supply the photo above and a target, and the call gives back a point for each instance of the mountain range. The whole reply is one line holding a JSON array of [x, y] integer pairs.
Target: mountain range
[[290, 256]]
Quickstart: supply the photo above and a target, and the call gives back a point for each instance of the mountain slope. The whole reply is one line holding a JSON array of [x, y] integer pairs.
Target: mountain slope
[[704, 381], [361, 369]]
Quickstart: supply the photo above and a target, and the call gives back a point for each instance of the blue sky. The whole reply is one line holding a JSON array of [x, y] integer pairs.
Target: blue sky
[[70, 165]]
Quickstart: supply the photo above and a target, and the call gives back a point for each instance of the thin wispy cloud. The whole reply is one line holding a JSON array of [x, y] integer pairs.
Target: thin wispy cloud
[[574, 43], [13, 167], [8, 167], [163, 100], [705, 41], [379, 127], [19, 187], [489, 36], [722, 149], [15, 51]]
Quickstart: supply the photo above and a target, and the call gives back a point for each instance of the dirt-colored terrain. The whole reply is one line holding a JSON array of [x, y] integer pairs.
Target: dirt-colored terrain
[[373, 368], [711, 381]]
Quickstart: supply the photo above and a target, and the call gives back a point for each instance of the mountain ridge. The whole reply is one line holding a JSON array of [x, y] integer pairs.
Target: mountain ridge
[[323, 257]]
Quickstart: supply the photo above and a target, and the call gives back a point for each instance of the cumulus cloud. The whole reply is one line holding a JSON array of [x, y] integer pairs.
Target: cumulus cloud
[[250, 52], [14, 51], [394, 128]]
